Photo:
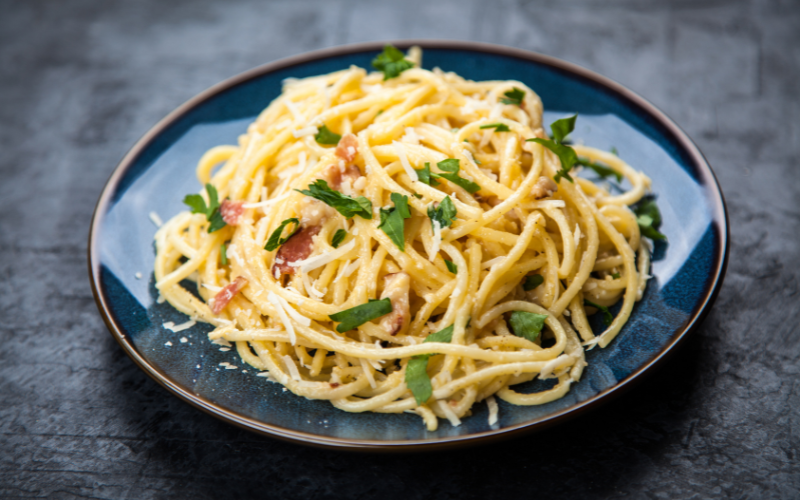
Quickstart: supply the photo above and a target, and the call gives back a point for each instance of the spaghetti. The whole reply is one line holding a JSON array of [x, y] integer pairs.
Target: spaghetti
[[395, 241]]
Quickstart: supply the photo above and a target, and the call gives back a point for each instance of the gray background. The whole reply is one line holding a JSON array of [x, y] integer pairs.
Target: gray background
[[80, 82]]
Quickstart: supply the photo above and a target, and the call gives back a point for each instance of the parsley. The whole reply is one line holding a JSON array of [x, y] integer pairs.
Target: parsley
[[338, 238], [417, 379], [424, 175], [649, 218], [452, 167], [513, 96], [212, 213], [358, 315], [393, 220], [344, 204], [600, 169], [498, 127], [223, 254], [275, 239], [608, 318], [527, 325], [452, 267], [391, 62], [615, 276], [532, 281], [417, 196], [561, 128], [445, 213], [614, 151], [325, 136], [379, 112]]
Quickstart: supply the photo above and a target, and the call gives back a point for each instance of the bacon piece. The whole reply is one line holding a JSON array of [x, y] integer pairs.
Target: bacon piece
[[334, 385], [298, 248], [396, 289], [231, 211], [335, 177], [347, 149], [225, 295]]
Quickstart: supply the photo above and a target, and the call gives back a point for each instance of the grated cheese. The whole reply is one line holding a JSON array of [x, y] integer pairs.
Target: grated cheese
[[169, 325], [316, 261], [262, 204], [401, 153], [491, 403], [437, 240], [306, 131], [275, 301], [184, 340], [293, 371], [156, 219]]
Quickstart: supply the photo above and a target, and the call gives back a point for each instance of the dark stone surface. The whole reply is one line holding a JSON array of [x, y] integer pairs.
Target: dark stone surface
[[80, 82]]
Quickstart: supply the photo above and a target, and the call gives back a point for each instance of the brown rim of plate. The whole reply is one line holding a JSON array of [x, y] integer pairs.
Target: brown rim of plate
[[707, 179]]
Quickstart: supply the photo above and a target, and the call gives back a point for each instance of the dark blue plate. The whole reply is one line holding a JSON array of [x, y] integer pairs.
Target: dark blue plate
[[159, 171]]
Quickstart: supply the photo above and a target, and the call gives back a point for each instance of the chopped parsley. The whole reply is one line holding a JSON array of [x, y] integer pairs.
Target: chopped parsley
[[338, 238], [615, 276], [325, 136], [451, 266], [424, 175], [358, 315], [526, 324], [600, 169], [532, 281], [561, 129], [648, 217], [275, 239], [391, 62], [445, 213], [223, 254], [393, 220], [211, 211], [417, 379], [452, 166], [514, 96], [344, 204], [614, 151], [498, 127], [608, 318]]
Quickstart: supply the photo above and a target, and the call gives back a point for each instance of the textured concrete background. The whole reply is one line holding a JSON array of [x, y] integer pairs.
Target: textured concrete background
[[80, 82]]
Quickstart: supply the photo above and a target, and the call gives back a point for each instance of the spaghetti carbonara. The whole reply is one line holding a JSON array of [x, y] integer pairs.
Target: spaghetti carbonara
[[407, 241]]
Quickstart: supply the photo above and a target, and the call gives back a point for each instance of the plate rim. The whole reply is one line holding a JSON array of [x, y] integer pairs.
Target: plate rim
[[707, 179]]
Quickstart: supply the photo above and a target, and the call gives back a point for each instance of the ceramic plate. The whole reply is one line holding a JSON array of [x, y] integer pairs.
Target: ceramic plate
[[159, 171]]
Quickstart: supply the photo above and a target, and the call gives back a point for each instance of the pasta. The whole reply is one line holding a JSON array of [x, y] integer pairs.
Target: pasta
[[406, 241]]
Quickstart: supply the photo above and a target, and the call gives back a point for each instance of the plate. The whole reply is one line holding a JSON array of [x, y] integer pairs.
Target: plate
[[153, 177]]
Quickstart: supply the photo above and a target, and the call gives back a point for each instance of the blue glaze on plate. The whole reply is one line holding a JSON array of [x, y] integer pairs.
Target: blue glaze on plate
[[160, 171]]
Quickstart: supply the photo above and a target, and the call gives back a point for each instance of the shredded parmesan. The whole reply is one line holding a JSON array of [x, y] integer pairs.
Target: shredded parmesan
[[292, 367], [491, 403], [401, 153], [316, 261], [169, 325], [156, 219], [437, 240]]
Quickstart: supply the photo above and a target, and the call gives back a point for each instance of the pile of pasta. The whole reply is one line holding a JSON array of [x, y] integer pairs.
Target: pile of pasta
[[517, 241]]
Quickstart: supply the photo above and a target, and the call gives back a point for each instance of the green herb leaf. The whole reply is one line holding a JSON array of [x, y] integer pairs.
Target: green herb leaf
[[608, 318], [325, 136], [344, 204], [338, 238], [358, 315], [275, 239], [513, 96], [614, 151], [391, 62], [600, 169], [417, 379], [452, 167], [453, 268], [216, 222], [527, 325], [393, 220], [198, 206], [532, 281], [616, 276], [196, 203], [561, 129], [223, 254], [445, 213], [424, 175], [648, 218], [498, 127], [417, 196]]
